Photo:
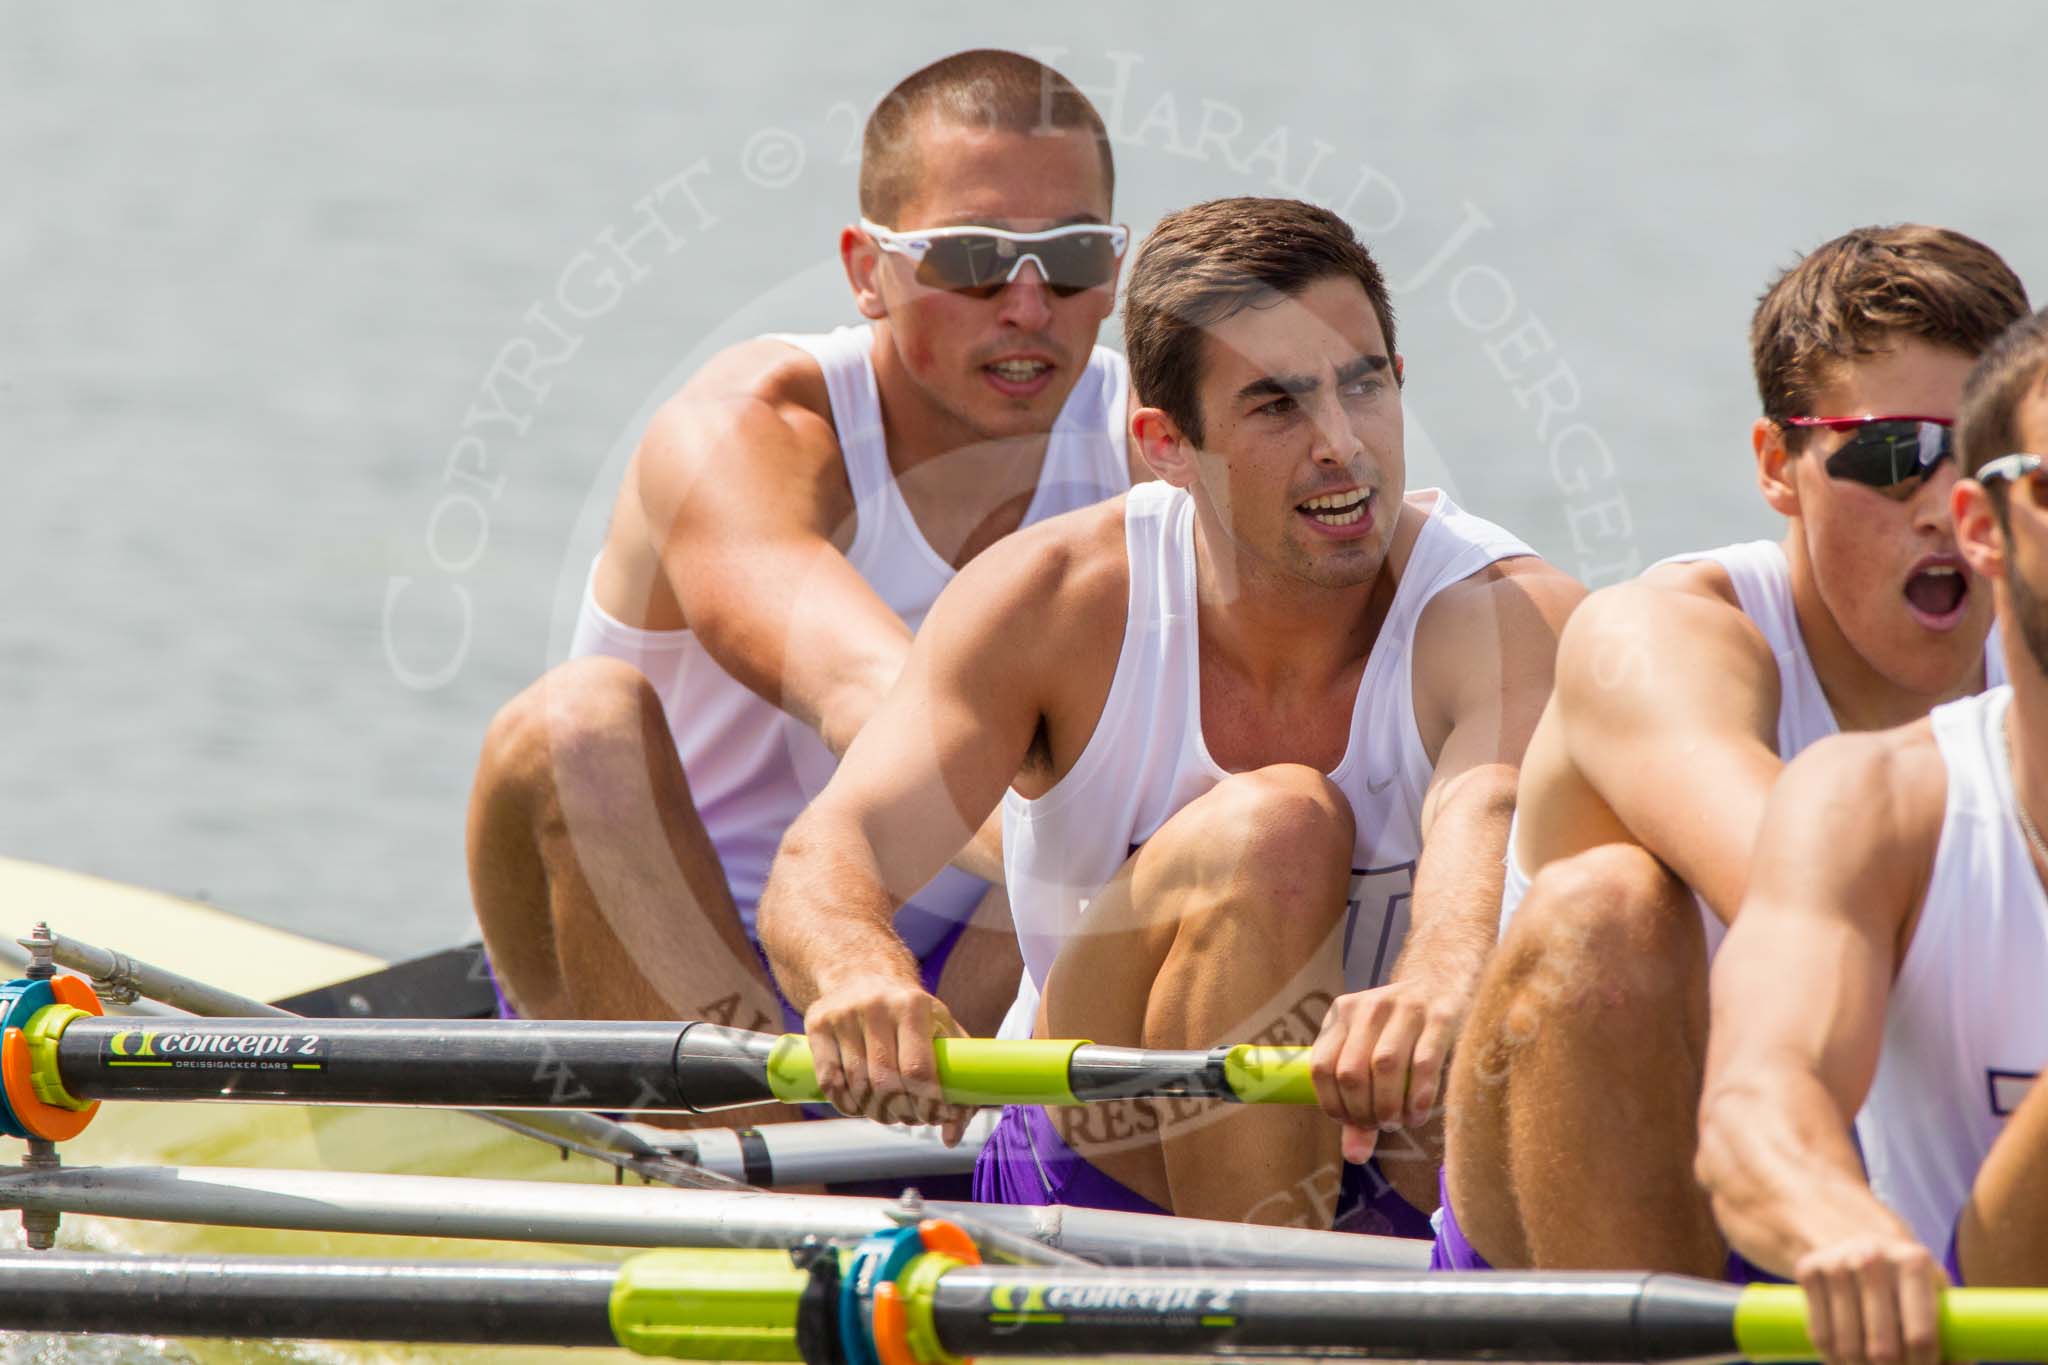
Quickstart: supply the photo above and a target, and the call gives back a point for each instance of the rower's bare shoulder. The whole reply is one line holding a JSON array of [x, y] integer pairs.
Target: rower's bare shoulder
[[1702, 578], [1490, 635], [765, 370], [1036, 620], [1651, 628], [1643, 659], [1505, 598], [755, 389], [1893, 779], [1867, 807], [755, 419], [1069, 570]]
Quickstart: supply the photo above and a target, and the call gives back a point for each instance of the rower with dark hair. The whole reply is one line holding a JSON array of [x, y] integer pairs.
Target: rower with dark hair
[[1680, 697], [786, 522], [1253, 730], [1888, 966]]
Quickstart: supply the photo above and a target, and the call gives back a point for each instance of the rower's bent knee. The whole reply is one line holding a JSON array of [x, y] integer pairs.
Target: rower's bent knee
[[578, 714], [1273, 817], [1279, 838], [1610, 904], [1609, 930]]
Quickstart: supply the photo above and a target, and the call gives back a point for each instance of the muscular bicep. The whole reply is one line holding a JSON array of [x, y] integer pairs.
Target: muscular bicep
[[747, 505], [935, 758], [1803, 978], [1668, 707]]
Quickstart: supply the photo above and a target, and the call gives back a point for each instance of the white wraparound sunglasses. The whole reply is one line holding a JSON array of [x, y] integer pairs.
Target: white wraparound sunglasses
[[981, 261]]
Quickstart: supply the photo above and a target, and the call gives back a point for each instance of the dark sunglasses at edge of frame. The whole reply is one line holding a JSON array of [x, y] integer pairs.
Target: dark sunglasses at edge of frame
[[1888, 453], [981, 261]]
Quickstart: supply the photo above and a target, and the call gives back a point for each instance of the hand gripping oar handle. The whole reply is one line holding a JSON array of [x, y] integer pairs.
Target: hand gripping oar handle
[[718, 1068]]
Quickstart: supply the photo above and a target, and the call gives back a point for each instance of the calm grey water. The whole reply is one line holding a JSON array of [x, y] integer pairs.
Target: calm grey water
[[269, 272]]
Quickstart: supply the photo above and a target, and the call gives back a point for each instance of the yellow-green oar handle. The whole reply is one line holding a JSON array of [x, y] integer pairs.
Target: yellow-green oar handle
[[971, 1070], [990, 1071], [1976, 1324], [1269, 1075]]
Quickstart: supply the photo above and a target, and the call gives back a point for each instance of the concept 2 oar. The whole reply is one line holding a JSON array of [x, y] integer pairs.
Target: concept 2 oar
[[916, 1296], [59, 1058]]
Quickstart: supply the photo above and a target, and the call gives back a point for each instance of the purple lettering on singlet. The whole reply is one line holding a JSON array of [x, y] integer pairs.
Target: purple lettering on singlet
[[1375, 920], [2007, 1089]]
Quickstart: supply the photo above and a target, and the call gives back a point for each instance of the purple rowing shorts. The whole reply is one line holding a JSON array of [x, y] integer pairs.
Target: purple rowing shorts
[[1027, 1162]]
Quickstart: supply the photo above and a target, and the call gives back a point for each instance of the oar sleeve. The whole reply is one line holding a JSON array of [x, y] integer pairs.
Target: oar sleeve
[[718, 1068]]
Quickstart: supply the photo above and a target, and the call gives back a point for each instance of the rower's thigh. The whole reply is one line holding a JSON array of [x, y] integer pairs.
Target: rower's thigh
[[2001, 1238], [596, 885], [1601, 978]]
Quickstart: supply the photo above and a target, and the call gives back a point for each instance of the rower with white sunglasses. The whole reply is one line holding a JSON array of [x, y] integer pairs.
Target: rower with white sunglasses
[[788, 518], [983, 261]]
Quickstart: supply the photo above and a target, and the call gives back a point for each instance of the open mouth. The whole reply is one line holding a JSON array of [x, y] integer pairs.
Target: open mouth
[[1937, 593], [1019, 375], [1337, 509]]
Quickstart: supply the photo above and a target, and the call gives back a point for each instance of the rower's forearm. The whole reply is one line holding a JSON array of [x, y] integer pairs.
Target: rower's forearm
[[1450, 958], [826, 917], [1456, 910], [1781, 1170]]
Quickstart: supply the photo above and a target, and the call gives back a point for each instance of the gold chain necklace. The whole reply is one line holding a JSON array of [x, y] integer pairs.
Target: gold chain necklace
[[2019, 804]]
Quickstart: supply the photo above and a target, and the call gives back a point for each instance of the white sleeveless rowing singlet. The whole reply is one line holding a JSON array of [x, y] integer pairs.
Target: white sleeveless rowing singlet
[[1146, 758], [1762, 578], [1966, 1029], [752, 768]]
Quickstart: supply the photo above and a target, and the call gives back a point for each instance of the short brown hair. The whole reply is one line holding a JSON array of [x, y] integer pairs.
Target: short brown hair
[[984, 88], [2013, 371], [1209, 262], [1857, 294]]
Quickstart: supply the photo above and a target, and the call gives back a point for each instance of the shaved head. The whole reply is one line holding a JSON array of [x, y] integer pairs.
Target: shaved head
[[986, 89]]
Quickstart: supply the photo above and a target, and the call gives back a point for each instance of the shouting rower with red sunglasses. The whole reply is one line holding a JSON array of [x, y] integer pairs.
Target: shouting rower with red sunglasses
[[1680, 696], [786, 522], [1888, 964]]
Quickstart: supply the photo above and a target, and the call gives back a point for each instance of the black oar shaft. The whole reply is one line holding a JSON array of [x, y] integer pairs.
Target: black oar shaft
[[457, 1301], [633, 1066], [458, 1063], [1001, 1311]]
